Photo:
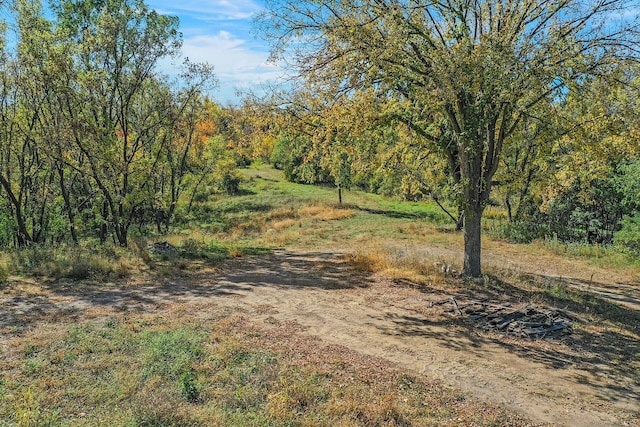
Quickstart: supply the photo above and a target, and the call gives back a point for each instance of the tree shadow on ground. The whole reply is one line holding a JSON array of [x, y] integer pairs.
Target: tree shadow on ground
[[396, 214], [230, 278], [605, 351]]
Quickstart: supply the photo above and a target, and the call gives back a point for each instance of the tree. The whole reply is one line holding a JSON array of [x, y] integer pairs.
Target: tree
[[117, 103], [482, 65], [92, 137], [25, 171]]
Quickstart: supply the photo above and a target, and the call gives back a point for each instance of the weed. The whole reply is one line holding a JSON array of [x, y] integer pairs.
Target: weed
[[236, 251], [189, 387], [4, 274], [77, 263], [192, 248], [282, 224], [401, 263], [85, 266], [141, 250], [325, 213], [123, 269], [200, 249], [298, 392]]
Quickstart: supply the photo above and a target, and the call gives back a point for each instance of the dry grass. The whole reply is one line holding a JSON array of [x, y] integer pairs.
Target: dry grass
[[168, 369], [284, 213], [408, 263], [325, 213], [283, 237], [283, 224]]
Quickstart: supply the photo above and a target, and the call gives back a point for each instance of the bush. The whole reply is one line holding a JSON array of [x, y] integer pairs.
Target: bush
[[518, 232], [230, 183], [629, 235]]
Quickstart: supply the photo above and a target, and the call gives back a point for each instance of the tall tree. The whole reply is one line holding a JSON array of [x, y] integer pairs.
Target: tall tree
[[482, 65], [113, 108]]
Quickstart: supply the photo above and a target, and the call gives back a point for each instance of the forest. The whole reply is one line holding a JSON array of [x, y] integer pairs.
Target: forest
[[96, 141]]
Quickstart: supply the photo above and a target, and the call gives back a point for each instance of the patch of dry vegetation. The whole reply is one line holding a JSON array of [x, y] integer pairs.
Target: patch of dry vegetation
[[325, 213], [171, 370], [402, 262]]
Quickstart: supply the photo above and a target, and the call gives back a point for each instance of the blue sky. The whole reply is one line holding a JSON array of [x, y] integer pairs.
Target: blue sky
[[220, 32]]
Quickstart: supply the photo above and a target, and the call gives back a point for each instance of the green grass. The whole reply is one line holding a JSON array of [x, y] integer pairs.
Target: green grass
[[595, 254], [273, 213], [168, 371]]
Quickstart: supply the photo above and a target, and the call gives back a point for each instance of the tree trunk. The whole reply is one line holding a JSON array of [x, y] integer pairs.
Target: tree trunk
[[121, 233], [460, 222], [340, 195], [67, 204], [507, 202], [103, 223], [472, 241], [23, 236]]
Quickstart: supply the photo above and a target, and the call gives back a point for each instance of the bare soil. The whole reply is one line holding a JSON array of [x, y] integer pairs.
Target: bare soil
[[568, 382]]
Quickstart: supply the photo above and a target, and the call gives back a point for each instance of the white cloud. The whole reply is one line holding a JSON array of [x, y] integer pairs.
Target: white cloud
[[236, 64], [218, 32], [218, 10], [229, 54]]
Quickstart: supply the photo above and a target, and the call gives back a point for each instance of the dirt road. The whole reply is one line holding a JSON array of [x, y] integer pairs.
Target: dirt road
[[370, 314]]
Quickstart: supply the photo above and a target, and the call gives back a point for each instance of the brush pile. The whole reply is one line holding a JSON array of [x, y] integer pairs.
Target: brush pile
[[528, 321], [162, 248]]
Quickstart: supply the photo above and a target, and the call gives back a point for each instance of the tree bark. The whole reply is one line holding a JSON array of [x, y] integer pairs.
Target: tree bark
[[472, 241], [67, 203], [460, 222]]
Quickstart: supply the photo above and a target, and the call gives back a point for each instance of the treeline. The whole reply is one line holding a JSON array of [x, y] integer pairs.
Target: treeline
[[571, 172], [94, 140]]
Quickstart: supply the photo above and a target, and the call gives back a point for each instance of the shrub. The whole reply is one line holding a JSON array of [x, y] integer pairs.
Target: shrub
[[4, 274], [230, 183], [518, 232], [629, 235]]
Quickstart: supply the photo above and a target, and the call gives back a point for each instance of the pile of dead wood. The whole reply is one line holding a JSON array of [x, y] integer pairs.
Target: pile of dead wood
[[162, 248], [525, 321]]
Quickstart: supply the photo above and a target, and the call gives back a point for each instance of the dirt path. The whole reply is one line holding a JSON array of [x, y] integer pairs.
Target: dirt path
[[374, 316]]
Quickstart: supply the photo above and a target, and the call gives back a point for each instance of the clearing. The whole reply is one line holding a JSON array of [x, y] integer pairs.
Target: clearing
[[347, 294]]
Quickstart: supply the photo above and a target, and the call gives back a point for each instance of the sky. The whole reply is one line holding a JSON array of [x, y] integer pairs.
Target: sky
[[220, 33]]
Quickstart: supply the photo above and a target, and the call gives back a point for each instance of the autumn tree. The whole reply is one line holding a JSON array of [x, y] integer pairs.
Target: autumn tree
[[584, 196], [26, 174], [92, 137], [117, 105], [483, 66]]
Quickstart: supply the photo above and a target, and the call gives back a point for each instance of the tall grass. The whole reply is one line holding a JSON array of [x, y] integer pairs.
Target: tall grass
[[77, 263], [408, 262]]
